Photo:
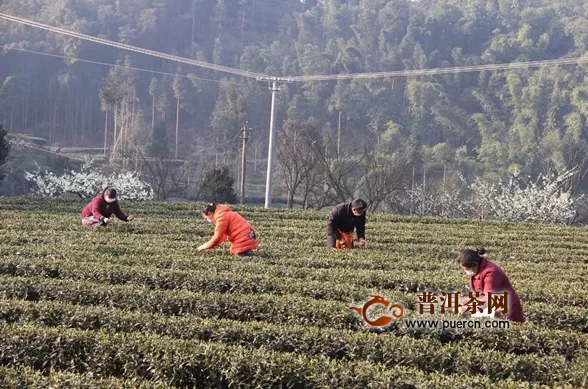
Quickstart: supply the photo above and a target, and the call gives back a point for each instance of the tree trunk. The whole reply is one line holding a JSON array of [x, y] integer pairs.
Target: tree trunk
[[35, 104], [83, 120], [53, 125], [75, 126], [133, 115], [193, 20], [423, 205], [177, 124], [22, 117], [69, 117], [411, 192], [242, 24], [25, 114], [134, 107], [12, 119], [123, 129], [47, 112], [115, 128], [153, 113], [106, 132], [255, 162], [90, 111]]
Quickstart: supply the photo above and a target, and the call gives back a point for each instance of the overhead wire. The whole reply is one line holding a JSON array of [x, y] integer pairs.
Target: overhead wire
[[131, 68], [437, 71], [153, 53], [308, 78]]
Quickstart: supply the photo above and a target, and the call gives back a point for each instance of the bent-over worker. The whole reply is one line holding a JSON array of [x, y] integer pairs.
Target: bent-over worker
[[344, 218], [229, 225]]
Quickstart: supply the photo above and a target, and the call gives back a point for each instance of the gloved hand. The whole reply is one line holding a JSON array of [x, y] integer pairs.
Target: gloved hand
[[201, 247], [106, 220]]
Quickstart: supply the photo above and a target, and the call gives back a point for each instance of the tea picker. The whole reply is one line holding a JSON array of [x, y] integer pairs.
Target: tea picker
[[98, 213], [343, 220]]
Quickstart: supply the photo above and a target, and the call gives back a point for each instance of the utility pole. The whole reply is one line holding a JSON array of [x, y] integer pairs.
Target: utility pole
[[270, 152], [245, 140], [270, 157]]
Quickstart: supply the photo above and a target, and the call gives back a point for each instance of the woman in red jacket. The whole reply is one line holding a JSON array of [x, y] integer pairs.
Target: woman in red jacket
[[485, 276], [231, 226], [101, 208]]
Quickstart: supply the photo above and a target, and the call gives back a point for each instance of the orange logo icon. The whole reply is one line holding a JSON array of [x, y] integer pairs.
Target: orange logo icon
[[395, 309]]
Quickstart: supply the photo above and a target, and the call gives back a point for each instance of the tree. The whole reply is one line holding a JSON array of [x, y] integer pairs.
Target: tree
[[4, 149], [341, 175], [382, 177], [218, 186], [153, 87], [110, 96], [158, 145], [178, 88], [89, 181], [166, 175], [295, 155], [229, 115]]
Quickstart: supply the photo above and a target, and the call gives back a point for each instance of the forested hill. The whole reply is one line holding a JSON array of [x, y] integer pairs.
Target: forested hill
[[491, 122]]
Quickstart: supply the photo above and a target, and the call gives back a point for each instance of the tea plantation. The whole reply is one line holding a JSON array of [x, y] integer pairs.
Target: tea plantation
[[135, 305]]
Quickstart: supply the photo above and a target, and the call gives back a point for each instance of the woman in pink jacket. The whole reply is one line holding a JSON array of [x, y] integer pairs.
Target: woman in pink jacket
[[486, 276], [101, 208]]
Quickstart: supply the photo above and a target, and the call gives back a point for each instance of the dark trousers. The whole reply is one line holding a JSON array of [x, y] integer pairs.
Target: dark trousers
[[331, 241]]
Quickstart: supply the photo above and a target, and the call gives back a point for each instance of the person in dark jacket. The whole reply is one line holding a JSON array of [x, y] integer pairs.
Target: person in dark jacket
[[101, 208], [344, 218], [485, 276]]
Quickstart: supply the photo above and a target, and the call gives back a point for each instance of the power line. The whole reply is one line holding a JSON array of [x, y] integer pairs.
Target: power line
[[437, 71], [132, 68], [326, 77], [220, 68]]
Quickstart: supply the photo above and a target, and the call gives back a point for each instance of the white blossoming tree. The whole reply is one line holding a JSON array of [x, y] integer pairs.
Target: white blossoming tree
[[87, 182], [548, 200]]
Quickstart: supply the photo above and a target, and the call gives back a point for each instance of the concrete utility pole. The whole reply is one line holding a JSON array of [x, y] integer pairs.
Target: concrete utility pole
[[245, 140], [270, 154]]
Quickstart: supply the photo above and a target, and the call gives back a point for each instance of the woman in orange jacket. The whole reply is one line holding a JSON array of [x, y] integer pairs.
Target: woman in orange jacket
[[229, 225]]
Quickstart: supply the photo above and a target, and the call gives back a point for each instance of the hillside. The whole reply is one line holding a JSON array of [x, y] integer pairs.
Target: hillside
[[484, 123]]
